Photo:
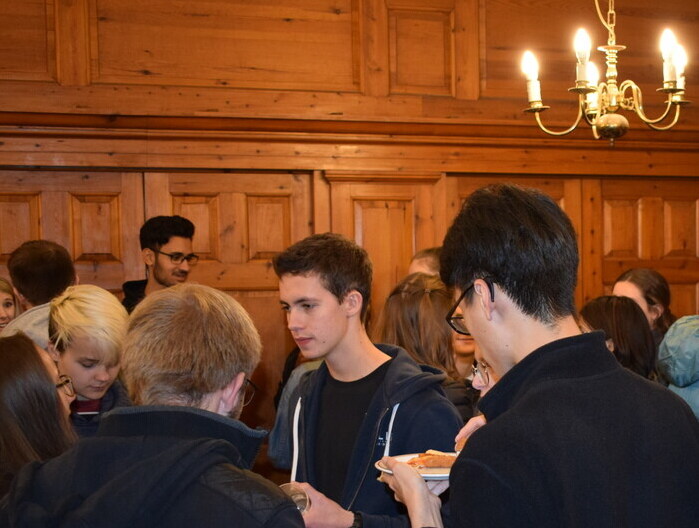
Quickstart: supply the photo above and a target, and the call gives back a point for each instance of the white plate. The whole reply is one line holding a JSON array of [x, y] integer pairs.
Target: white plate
[[426, 473]]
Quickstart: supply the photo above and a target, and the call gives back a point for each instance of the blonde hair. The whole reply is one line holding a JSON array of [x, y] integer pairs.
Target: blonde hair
[[6, 287], [185, 342], [88, 310]]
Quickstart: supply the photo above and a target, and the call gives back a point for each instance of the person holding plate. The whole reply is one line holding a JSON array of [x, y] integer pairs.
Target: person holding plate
[[572, 438], [364, 402]]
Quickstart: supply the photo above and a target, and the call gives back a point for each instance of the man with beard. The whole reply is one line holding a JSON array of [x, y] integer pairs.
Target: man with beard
[[166, 248], [180, 457]]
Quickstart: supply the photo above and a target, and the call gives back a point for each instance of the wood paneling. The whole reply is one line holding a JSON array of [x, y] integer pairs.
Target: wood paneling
[[96, 216], [27, 50], [310, 45], [647, 223]]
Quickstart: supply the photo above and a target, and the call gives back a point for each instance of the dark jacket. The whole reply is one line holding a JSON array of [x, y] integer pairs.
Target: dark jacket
[[86, 425], [153, 466], [573, 439], [424, 419], [464, 397], [134, 292]]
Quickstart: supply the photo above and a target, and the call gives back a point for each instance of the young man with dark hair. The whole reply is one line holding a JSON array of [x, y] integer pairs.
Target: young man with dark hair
[[40, 270], [180, 458], [166, 248], [364, 401], [572, 438]]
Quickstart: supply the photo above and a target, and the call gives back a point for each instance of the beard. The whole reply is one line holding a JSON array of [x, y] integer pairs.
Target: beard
[[164, 279]]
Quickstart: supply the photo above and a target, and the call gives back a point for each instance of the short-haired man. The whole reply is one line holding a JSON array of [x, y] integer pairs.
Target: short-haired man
[[166, 249], [40, 270], [180, 458], [364, 401], [572, 438]]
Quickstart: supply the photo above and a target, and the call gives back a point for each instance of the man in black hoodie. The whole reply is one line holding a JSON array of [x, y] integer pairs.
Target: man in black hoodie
[[180, 457]]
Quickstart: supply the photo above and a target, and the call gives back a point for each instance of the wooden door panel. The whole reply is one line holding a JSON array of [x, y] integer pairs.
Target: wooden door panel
[[389, 218], [647, 223], [96, 216]]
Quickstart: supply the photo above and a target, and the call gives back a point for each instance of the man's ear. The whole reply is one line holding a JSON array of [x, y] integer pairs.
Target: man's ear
[[148, 256], [657, 311], [484, 298], [353, 303], [232, 393], [21, 298], [55, 354]]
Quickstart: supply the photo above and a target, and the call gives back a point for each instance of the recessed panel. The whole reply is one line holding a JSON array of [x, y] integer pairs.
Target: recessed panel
[[269, 225], [420, 52], [261, 44], [19, 221], [96, 231], [620, 228], [25, 48], [680, 224]]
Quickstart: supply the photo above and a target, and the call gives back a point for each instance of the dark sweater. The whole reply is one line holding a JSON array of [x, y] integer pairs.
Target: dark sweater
[[575, 440], [134, 292]]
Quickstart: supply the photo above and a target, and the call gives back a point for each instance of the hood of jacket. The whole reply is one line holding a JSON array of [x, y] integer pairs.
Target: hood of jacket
[[101, 481], [678, 355]]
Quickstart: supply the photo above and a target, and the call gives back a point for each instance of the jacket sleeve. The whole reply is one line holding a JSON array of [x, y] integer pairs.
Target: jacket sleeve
[[385, 521]]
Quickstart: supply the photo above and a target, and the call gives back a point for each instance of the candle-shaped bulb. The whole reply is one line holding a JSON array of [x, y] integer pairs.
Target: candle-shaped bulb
[[668, 43], [530, 66], [582, 45], [592, 74], [679, 59]]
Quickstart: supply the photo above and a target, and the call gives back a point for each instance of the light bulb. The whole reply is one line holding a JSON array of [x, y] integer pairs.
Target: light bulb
[[679, 58], [668, 43], [592, 74], [530, 66], [582, 45]]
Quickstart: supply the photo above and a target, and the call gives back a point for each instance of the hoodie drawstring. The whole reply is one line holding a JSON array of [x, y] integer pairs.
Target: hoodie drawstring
[[295, 459], [389, 434]]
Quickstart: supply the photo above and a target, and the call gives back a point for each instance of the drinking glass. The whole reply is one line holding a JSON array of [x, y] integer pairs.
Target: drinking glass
[[298, 495]]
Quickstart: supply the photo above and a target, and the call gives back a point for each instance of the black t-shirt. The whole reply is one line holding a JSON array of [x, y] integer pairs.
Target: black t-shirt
[[343, 406]]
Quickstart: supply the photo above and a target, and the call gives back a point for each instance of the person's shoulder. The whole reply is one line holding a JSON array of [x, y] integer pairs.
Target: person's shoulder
[[249, 492]]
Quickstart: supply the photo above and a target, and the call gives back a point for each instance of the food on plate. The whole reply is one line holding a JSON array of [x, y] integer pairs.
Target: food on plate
[[461, 443], [433, 459]]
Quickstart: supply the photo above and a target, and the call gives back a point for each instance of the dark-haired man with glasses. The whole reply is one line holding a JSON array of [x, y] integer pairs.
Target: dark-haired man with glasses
[[166, 249], [572, 438]]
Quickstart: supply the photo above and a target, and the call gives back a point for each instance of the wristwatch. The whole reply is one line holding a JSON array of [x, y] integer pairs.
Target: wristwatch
[[357, 522]]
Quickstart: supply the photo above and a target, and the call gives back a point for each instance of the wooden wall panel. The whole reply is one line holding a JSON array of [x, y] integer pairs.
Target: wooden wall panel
[[390, 218], [85, 212], [649, 223], [287, 44], [27, 40]]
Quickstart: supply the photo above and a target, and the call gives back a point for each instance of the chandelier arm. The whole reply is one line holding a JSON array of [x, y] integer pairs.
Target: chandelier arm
[[667, 127], [563, 132], [638, 107]]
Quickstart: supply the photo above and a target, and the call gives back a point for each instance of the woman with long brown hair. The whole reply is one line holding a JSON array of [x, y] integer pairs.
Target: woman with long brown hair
[[34, 407], [413, 318]]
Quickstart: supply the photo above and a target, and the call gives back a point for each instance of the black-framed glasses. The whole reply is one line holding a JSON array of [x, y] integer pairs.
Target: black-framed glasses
[[456, 321], [250, 390], [65, 383], [480, 370], [178, 258]]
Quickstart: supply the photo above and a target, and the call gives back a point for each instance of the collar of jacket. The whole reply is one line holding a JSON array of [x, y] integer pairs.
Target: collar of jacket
[[569, 358], [183, 422]]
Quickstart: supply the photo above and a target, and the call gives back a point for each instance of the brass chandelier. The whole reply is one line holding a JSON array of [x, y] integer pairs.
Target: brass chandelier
[[598, 102]]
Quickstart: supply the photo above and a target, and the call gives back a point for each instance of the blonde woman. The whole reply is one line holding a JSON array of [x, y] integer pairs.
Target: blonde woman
[[9, 307], [87, 326]]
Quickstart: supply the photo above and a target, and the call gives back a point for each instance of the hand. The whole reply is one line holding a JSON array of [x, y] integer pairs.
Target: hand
[[409, 488], [467, 430], [324, 512]]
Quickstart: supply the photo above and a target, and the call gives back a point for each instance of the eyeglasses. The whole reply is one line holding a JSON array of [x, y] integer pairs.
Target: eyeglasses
[[250, 389], [66, 385], [178, 258], [480, 369], [456, 321]]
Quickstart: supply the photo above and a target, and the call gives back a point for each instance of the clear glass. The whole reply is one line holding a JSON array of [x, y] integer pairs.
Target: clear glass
[[298, 495]]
